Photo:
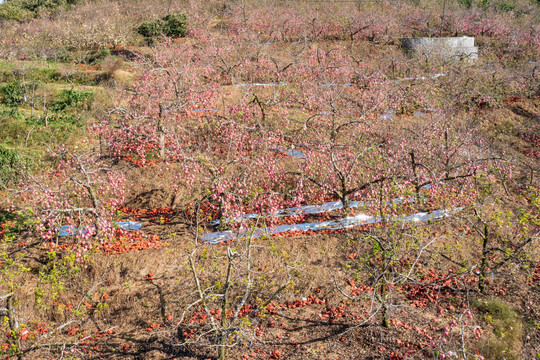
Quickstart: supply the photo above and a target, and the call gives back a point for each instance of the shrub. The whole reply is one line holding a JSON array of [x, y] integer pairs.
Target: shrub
[[45, 74], [150, 29], [12, 125], [175, 25], [72, 98], [172, 25], [9, 11], [97, 55], [13, 93], [21, 10], [11, 166], [506, 7]]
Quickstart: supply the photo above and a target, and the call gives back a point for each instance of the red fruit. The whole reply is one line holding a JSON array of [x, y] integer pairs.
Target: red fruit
[[72, 331], [125, 347], [276, 354]]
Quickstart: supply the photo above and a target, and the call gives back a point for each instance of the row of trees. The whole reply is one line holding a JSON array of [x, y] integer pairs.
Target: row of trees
[[325, 109]]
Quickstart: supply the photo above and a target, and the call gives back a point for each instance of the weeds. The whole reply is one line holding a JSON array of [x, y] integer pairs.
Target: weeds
[[72, 98], [506, 339], [12, 166]]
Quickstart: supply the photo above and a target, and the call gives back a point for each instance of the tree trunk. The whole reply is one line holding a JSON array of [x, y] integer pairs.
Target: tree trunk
[[483, 263], [161, 133], [222, 350], [346, 203], [14, 326], [415, 173], [385, 320]]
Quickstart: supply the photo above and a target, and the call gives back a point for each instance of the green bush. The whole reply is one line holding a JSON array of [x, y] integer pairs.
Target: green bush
[[21, 10], [150, 29], [175, 25], [11, 166], [172, 25], [9, 11], [72, 98], [506, 7], [97, 55], [45, 74], [12, 93]]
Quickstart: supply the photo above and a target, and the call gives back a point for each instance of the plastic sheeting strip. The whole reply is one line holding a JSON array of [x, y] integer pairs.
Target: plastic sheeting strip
[[389, 114], [344, 223], [72, 230], [421, 78], [259, 84], [316, 209], [286, 150], [201, 110], [290, 152], [344, 84]]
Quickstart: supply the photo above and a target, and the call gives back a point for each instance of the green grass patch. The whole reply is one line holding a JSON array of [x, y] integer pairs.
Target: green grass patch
[[506, 339], [45, 74], [32, 132]]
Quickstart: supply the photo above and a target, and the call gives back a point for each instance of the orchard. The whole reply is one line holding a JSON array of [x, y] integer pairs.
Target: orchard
[[247, 180]]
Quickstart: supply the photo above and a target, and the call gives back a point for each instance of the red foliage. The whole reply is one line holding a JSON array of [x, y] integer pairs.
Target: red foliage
[[131, 241], [358, 290], [72, 330], [276, 354], [437, 287], [124, 240]]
